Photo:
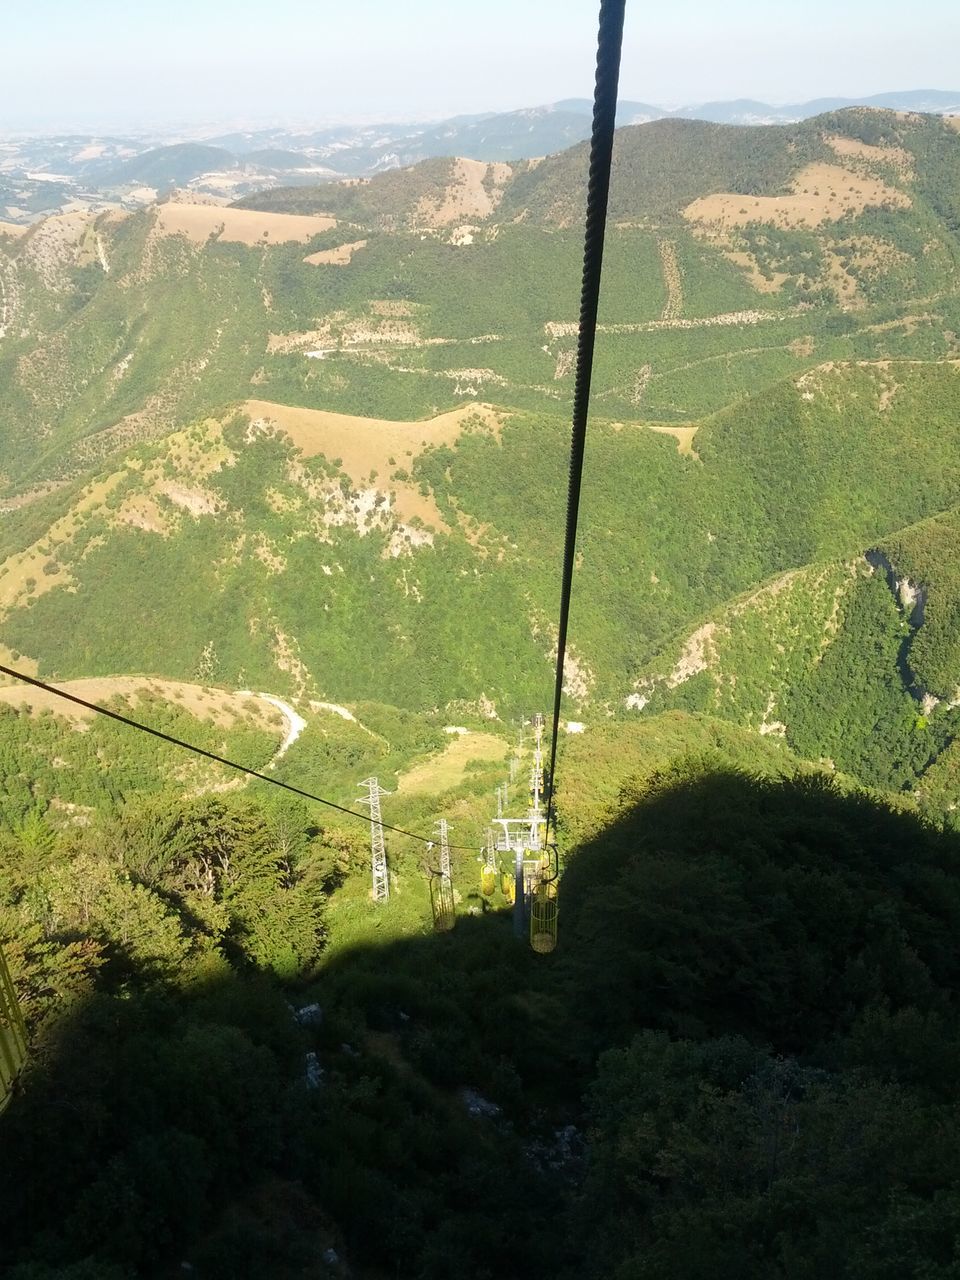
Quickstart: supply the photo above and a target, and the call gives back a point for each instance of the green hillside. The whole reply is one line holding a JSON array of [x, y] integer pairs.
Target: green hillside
[[753, 962], [287, 479], [171, 166]]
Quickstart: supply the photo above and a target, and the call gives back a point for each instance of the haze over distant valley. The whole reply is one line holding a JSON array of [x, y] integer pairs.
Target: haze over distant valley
[[47, 173]]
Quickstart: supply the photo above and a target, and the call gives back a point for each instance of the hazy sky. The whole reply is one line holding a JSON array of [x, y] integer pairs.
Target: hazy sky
[[90, 63]]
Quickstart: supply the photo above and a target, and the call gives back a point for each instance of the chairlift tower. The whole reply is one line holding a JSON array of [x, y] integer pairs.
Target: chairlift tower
[[378, 852], [523, 837], [536, 781], [441, 885], [443, 829]]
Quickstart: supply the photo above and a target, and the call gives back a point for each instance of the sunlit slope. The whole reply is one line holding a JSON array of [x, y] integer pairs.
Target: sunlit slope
[[763, 254], [830, 203], [427, 575], [63, 763]]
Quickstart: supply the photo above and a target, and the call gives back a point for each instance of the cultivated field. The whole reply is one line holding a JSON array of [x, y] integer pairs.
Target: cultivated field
[[198, 222]]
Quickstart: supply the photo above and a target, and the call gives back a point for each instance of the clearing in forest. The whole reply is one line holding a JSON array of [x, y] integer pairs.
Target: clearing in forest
[[374, 447], [449, 768], [224, 708], [338, 257], [682, 435], [474, 191], [819, 193], [198, 222], [853, 148]]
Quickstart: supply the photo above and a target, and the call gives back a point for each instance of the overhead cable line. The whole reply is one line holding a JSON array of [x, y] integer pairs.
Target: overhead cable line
[[212, 755], [609, 42]]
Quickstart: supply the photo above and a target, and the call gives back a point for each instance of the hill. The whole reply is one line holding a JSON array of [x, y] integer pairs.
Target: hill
[[172, 166], [763, 371], [289, 482], [661, 167]]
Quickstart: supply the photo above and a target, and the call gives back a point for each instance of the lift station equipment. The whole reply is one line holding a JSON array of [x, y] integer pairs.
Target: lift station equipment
[[528, 885]]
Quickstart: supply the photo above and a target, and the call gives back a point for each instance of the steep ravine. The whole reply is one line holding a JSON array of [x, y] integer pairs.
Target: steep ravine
[[911, 599]]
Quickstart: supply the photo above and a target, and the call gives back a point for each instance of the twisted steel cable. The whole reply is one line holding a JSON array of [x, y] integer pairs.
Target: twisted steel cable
[[609, 43]]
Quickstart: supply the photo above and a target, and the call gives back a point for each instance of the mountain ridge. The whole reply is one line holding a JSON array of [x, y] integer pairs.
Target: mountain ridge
[[44, 173]]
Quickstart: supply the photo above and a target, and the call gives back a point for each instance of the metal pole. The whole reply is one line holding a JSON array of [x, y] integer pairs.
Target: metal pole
[[519, 903]]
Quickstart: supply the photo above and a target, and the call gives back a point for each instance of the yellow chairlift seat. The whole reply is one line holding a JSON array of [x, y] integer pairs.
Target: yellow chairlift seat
[[543, 917], [488, 880], [507, 887], [442, 904]]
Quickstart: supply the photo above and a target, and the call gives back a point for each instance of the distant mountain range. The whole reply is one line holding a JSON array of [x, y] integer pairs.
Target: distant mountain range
[[41, 175], [537, 131]]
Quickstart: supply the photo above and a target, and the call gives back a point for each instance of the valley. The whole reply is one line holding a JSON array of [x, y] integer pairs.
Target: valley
[[285, 477], [382, 394]]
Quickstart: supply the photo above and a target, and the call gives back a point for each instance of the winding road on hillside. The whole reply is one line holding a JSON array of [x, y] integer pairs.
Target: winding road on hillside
[[295, 722]]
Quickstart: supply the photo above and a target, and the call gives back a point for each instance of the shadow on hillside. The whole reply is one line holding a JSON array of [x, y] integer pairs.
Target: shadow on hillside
[[426, 1120]]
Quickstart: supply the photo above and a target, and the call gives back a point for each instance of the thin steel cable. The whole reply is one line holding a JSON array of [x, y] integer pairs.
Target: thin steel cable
[[609, 42], [212, 755]]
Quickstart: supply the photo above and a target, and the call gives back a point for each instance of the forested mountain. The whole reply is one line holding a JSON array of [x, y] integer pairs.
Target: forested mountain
[[287, 479], [169, 166]]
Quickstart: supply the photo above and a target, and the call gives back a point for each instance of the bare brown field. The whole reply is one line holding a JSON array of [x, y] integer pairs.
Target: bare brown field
[[474, 192], [748, 263], [198, 222], [18, 661], [54, 244], [12, 229], [884, 155], [448, 769], [682, 435], [366, 445], [820, 193], [338, 257], [224, 708], [953, 122]]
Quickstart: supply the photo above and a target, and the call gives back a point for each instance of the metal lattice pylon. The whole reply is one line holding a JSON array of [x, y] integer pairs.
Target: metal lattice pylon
[[378, 851], [443, 828]]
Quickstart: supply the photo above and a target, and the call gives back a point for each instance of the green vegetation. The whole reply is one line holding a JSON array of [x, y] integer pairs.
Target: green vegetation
[[47, 764], [171, 166], [750, 964], [737, 1064]]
